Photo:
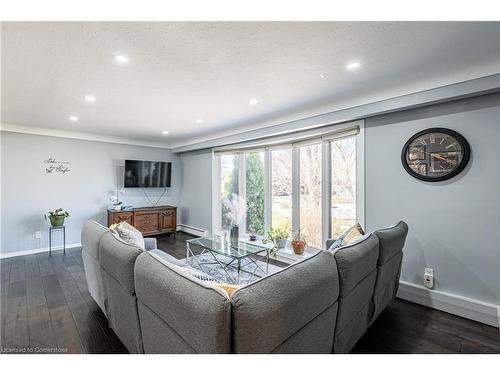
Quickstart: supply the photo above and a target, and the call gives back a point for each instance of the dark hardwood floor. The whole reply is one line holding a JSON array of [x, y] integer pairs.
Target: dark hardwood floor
[[46, 307]]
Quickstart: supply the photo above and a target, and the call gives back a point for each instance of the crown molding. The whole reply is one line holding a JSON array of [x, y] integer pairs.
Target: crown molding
[[13, 128]]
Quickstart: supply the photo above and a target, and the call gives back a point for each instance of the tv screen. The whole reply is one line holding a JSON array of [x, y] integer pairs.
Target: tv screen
[[147, 174]]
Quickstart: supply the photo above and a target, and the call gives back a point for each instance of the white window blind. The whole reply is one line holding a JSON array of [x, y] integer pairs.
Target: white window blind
[[307, 136]]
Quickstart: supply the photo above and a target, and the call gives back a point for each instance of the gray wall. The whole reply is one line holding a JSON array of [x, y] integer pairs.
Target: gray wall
[[196, 170], [454, 225], [96, 171]]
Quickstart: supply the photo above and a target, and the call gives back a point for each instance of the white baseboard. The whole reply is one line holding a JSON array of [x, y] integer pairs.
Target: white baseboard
[[13, 254], [192, 230], [479, 311]]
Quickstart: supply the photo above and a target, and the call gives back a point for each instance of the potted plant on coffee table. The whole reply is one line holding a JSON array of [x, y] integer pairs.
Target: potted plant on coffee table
[[57, 217], [299, 243]]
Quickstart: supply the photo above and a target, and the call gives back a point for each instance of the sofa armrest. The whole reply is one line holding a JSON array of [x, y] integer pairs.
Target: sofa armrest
[[149, 243]]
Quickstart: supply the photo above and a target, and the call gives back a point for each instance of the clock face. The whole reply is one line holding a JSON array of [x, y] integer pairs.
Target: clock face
[[435, 154]]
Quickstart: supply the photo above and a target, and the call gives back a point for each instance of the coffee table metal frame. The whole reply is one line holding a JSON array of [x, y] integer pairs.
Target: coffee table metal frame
[[238, 259]]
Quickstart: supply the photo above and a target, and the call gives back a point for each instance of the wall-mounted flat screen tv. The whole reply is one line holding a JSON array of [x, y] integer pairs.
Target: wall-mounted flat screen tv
[[147, 174]]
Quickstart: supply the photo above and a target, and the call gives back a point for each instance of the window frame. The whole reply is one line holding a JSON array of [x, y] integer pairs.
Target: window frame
[[328, 134]]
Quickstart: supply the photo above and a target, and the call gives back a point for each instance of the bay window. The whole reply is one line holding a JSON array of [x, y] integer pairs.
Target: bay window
[[312, 185]]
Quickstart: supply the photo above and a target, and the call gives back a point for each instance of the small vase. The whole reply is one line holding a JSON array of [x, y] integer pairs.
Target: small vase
[[281, 244], [234, 236]]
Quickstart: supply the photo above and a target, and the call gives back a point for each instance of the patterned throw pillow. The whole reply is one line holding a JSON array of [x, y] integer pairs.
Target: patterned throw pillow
[[351, 235], [128, 234]]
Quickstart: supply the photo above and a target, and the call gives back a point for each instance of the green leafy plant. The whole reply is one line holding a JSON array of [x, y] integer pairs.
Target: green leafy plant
[[57, 217], [274, 236], [58, 212]]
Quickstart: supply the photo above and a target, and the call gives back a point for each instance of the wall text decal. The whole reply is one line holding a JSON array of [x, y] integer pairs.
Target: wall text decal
[[52, 165]]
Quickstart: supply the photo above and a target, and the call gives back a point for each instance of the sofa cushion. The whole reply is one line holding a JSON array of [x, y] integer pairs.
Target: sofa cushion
[[295, 304], [117, 259], [179, 313], [356, 261], [123, 317], [392, 240]]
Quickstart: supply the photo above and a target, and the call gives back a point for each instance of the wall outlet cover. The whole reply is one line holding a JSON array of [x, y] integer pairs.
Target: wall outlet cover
[[429, 278]]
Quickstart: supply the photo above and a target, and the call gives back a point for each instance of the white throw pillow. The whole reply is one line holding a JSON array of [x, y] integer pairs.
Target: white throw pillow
[[129, 234]]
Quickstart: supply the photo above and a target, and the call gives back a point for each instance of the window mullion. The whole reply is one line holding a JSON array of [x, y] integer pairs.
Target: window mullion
[[360, 176], [267, 191], [216, 196], [326, 192], [242, 191], [295, 190]]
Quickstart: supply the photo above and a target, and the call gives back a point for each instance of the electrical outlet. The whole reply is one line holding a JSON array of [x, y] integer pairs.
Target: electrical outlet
[[38, 234], [429, 278]]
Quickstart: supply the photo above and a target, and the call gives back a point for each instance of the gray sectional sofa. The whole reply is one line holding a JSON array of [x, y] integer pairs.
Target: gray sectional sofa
[[323, 304]]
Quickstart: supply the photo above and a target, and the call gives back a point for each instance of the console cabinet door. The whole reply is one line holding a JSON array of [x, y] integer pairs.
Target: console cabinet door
[[146, 222], [167, 220], [118, 217]]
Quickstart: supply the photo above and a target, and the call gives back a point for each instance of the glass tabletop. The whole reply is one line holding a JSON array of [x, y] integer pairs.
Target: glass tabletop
[[219, 246]]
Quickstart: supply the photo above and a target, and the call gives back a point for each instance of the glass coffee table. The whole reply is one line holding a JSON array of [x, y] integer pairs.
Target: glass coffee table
[[239, 257]]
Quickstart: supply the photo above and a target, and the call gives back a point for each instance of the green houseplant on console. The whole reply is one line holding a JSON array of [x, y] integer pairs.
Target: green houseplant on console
[[57, 217]]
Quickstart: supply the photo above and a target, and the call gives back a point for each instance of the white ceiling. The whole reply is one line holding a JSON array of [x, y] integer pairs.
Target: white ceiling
[[181, 71]]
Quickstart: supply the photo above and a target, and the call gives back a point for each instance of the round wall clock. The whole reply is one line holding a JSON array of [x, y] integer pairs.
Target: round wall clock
[[435, 154]]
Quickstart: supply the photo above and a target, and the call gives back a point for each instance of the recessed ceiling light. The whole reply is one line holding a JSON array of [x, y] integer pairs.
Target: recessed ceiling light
[[199, 121], [353, 65], [165, 132], [89, 98], [73, 118], [321, 75], [253, 101], [121, 59]]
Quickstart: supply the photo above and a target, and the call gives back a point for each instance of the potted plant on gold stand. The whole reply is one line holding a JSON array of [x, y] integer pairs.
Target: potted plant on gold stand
[[299, 243]]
